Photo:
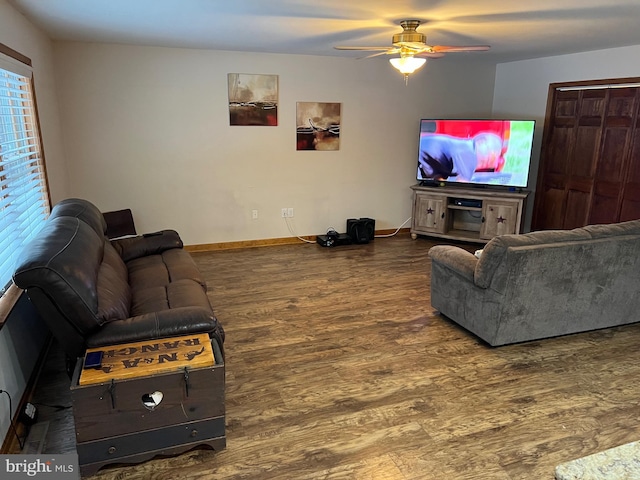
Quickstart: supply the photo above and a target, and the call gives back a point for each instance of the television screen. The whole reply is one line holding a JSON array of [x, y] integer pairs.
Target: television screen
[[488, 152]]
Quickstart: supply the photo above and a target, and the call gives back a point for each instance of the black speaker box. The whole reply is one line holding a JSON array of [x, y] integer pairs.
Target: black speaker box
[[361, 230]]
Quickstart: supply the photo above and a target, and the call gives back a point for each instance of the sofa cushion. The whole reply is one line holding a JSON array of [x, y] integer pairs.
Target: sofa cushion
[[160, 270], [82, 209], [114, 293], [494, 252], [178, 294]]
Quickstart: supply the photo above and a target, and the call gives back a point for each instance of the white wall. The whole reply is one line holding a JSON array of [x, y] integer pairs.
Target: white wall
[[23, 335], [147, 128], [19, 34], [521, 88]]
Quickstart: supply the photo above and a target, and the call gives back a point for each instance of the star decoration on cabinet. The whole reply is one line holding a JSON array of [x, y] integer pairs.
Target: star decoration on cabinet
[[501, 219]]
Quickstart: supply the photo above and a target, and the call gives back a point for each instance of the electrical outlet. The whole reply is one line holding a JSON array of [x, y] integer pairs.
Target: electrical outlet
[[254, 214], [290, 212], [284, 213]]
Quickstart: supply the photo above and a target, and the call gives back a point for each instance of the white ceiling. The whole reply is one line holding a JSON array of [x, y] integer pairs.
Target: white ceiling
[[515, 29]]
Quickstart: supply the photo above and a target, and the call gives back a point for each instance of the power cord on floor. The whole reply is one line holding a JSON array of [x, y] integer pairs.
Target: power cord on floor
[[13, 426], [286, 220], [394, 233]]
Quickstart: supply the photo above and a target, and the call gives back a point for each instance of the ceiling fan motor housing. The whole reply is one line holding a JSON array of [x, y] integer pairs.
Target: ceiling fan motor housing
[[409, 34]]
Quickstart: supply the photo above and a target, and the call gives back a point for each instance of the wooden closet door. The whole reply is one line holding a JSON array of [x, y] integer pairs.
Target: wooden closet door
[[618, 130], [630, 209], [590, 164], [570, 156], [558, 142]]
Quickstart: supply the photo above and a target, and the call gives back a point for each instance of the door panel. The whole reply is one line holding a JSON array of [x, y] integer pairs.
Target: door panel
[[553, 207], [577, 210]]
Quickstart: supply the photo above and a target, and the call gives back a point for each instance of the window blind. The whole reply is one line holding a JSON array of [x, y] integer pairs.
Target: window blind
[[24, 200]]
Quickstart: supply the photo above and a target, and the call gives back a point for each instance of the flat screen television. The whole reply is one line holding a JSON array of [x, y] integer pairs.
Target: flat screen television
[[477, 152]]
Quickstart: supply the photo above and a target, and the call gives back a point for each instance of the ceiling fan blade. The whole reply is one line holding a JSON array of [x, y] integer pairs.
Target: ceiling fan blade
[[467, 48], [417, 46], [430, 54], [362, 48], [390, 51]]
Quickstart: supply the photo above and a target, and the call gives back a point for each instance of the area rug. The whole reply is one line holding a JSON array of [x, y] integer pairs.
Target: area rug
[[618, 463]]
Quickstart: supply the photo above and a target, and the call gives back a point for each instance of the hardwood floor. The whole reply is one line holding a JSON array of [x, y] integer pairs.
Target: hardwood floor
[[338, 368]]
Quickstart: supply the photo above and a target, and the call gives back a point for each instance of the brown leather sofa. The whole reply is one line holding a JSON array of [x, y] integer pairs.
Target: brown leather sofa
[[93, 292]]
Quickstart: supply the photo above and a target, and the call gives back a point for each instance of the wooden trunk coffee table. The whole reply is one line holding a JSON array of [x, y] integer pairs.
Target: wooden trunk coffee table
[[159, 397]]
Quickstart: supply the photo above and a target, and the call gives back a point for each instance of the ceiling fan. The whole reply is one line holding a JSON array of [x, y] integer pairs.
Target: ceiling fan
[[411, 44]]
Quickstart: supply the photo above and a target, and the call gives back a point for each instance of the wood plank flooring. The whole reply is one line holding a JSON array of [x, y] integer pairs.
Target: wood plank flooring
[[338, 368]]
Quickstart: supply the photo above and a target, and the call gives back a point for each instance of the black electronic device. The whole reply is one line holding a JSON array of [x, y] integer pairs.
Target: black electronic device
[[467, 202], [361, 230], [333, 239], [93, 359]]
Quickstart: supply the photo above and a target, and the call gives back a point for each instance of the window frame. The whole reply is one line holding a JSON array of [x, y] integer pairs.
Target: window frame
[[14, 62]]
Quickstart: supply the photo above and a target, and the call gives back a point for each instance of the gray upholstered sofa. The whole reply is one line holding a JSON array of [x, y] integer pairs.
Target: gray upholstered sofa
[[541, 284]]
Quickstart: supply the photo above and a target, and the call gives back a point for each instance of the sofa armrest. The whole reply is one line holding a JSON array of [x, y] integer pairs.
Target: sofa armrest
[[150, 326], [147, 244], [456, 259]]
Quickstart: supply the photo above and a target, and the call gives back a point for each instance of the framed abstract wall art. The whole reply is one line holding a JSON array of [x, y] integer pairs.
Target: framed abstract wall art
[[253, 99], [318, 126]]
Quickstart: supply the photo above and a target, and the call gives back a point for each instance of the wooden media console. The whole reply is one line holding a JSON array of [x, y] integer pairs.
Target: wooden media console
[[466, 214]]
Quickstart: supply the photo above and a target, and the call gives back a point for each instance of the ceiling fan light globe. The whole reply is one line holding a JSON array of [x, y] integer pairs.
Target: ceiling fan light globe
[[407, 65]]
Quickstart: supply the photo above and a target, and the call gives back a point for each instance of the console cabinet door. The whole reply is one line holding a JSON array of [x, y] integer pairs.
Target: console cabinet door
[[499, 217], [428, 213]]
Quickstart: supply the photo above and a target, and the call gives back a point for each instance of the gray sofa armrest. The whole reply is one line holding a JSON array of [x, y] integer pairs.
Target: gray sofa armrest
[[456, 259], [147, 244]]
